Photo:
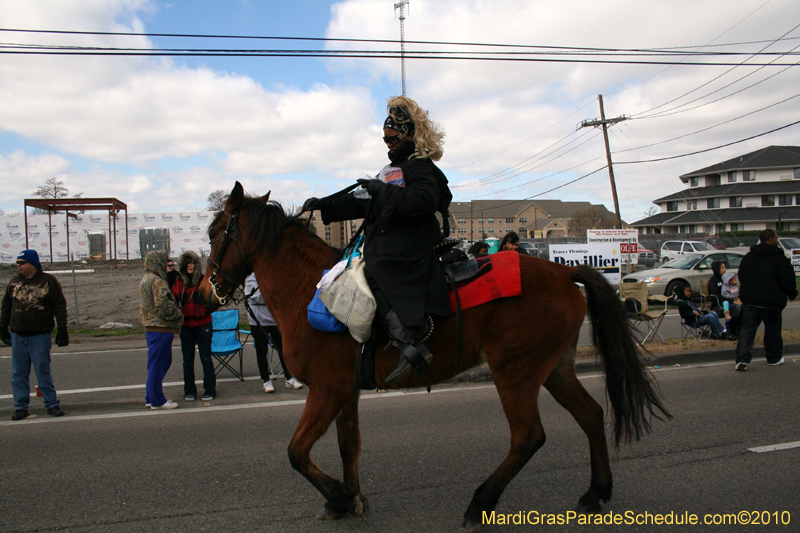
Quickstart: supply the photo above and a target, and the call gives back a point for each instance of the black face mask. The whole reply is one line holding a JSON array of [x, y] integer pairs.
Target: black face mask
[[403, 152]]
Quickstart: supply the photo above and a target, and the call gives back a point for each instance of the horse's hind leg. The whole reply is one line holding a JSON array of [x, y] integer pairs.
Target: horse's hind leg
[[322, 406], [349, 448], [519, 397], [567, 389]]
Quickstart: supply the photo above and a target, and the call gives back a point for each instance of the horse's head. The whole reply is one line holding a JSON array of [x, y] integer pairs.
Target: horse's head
[[231, 253]]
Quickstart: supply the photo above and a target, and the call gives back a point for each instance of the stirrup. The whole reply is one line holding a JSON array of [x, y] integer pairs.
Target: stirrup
[[416, 356]]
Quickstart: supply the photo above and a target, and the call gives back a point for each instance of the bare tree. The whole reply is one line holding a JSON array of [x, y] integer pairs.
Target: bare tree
[[216, 200], [650, 211], [591, 218], [53, 188]]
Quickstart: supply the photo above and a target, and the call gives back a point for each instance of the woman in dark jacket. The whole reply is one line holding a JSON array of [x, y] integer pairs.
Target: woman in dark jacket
[[400, 231]]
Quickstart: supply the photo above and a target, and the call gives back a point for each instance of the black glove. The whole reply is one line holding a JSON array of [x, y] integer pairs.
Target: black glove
[[311, 204], [62, 337], [373, 186], [5, 336]]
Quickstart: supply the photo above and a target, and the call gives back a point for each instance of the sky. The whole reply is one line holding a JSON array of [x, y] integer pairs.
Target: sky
[[162, 132]]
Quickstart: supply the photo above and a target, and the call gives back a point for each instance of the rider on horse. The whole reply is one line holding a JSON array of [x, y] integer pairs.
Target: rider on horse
[[401, 229]]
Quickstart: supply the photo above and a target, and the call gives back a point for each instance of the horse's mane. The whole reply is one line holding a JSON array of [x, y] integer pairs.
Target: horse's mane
[[266, 222]]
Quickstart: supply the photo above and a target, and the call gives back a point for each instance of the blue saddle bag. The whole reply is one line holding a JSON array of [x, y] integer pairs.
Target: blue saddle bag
[[321, 318]]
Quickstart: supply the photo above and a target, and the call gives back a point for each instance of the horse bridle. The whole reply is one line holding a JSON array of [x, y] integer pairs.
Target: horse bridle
[[231, 234]]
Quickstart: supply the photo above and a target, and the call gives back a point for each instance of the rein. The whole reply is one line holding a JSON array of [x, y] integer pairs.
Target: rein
[[231, 234]]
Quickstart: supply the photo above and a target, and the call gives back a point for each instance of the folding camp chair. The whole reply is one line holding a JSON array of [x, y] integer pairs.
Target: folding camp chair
[[696, 331], [225, 343], [706, 297], [643, 320]]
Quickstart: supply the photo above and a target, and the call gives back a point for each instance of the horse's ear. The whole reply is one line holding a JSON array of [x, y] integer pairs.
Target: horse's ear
[[264, 199], [235, 198]]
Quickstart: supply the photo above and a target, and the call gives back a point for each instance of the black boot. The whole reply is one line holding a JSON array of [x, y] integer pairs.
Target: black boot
[[413, 354]]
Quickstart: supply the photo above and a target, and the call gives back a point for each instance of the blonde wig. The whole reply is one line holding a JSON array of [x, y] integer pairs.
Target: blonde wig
[[429, 136]]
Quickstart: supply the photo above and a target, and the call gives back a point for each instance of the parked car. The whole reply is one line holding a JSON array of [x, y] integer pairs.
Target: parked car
[[647, 257], [787, 244], [528, 247], [673, 249], [716, 243], [689, 268]]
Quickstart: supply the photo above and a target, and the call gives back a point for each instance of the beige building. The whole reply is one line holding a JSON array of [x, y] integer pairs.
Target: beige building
[[530, 219]]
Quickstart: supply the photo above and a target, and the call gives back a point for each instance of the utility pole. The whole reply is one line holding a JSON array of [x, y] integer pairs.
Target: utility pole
[[602, 121], [401, 5]]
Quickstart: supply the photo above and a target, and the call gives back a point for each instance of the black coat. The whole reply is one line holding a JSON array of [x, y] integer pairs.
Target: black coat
[[767, 277], [400, 231]]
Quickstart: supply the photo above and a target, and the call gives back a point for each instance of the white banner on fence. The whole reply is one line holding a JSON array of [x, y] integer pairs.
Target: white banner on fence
[[626, 239], [603, 257], [187, 232]]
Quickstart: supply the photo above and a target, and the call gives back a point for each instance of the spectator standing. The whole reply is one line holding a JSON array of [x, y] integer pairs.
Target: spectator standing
[[767, 279], [261, 335], [32, 305], [196, 329], [172, 274], [161, 319]]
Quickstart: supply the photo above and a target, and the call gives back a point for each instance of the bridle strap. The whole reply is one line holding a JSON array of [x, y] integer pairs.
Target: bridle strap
[[231, 234]]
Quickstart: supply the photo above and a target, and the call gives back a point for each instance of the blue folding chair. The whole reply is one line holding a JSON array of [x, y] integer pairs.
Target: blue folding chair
[[225, 343]]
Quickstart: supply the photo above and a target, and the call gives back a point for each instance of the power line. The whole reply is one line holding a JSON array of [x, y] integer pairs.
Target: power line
[[710, 149]]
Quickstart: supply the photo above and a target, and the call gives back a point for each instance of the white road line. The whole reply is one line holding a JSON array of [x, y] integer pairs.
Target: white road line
[[775, 447]]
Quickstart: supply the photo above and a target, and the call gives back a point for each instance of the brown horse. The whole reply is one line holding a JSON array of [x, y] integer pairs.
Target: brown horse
[[528, 341]]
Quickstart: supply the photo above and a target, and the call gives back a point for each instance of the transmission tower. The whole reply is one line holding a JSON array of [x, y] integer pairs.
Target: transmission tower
[[401, 5]]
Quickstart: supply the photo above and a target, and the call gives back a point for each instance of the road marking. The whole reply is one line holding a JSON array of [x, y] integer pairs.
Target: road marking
[[775, 447]]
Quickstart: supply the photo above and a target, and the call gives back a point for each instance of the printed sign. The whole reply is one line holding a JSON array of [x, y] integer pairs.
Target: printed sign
[[627, 239], [603, 257], [796, 260]]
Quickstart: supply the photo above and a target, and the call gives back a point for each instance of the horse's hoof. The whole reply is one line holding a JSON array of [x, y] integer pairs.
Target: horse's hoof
[[360, 506], [588, 506], [469, 525], [331, 511]]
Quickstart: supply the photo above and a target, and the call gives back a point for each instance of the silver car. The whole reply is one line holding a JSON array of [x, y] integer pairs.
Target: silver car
[[688, 268]]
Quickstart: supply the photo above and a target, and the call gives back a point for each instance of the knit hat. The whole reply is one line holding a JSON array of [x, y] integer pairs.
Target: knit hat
[[30, 256]]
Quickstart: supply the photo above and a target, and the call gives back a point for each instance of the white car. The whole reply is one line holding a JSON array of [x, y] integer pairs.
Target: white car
[[674, 249]]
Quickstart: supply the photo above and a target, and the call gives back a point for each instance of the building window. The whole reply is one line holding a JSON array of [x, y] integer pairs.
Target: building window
[[491, 231], [785, 199], [768, 200], [522, 230], [462, 220], [523, 220], [491, 221], [748, 175], [694, 182], [712, 203], [672, 206], [797, 173], [480, 221], [509, 229], [735, 201], [691, 205], [462, 231], [737, 227], [732, 176]]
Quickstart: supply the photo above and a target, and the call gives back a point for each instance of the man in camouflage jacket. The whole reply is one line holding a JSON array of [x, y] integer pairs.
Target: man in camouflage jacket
[[161, 319]]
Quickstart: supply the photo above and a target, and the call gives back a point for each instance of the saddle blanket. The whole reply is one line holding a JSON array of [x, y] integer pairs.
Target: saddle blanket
[[501, 279]]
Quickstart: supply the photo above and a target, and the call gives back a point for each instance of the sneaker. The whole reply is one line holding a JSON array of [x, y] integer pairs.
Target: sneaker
[[147, 405], [169, 405], [208, 397], [293, 384], [55, 411], [778, 362], [268, 388], [740, 367], [20, 414], [189, 397]]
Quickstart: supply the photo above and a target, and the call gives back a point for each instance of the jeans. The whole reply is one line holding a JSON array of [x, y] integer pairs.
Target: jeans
[[24, 352], [773, 342], [710, 319], [159, 359], [200, 336], [261, 343]]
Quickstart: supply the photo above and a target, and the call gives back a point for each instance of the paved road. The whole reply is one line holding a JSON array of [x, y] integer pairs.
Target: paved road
[[110, 465]]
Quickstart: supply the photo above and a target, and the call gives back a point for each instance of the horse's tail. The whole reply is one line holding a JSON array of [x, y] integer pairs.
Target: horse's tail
[[633, 394]]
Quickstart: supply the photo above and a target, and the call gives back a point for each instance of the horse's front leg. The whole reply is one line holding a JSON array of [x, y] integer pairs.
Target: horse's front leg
[[322, 406]]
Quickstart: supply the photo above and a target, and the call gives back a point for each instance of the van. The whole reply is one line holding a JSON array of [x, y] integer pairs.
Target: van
[[673, 249]]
